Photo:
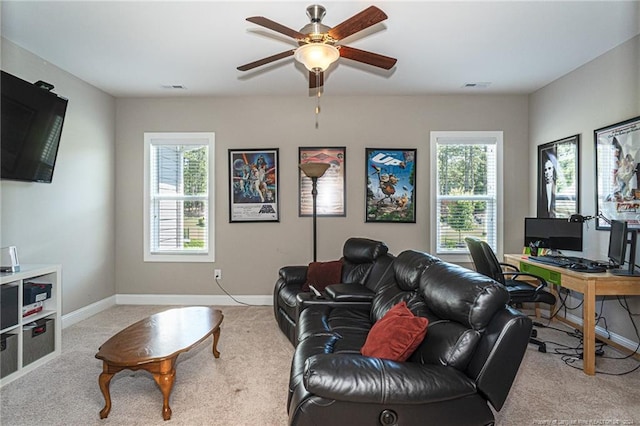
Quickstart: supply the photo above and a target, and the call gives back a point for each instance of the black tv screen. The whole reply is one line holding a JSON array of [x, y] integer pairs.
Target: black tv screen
[[555, 234], [32, 119]]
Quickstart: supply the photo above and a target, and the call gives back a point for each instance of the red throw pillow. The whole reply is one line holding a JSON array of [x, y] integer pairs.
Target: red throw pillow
[[322, 274], [396, 335]]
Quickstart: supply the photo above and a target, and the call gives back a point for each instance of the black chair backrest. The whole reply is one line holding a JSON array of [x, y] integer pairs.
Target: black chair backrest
[[358, 258], [484, 259]]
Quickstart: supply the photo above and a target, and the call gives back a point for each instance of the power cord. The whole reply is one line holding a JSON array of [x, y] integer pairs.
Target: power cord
[[563, 304], [571, 354], [569, 362], [228, 294], [626, 307], [599, 317], [599, 345]]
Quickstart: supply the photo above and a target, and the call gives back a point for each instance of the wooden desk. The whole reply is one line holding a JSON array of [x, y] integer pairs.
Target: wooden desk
[[590, 285]]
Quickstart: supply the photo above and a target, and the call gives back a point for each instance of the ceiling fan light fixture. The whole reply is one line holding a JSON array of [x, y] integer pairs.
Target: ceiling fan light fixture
[[317, 56]]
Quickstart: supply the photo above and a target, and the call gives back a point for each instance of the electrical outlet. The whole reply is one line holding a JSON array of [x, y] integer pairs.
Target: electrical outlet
[[564, 290], [217, 274]]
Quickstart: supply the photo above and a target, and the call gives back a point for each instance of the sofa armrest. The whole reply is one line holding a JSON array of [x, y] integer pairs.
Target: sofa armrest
[[361, 379], [349, 293], [294, 274], [497, 357], [304, 300]]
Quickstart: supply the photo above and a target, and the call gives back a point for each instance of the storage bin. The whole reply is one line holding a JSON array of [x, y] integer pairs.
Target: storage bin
[[35, 292], [38, 339], [8, 354], [8, 306]]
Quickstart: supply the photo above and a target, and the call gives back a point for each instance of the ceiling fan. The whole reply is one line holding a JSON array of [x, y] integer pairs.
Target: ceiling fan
[[319, 44]]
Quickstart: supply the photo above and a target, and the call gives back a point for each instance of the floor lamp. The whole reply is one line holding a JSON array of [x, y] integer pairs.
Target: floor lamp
[[314, 171]]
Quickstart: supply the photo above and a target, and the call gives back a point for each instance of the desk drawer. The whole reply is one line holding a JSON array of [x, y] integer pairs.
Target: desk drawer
[[551, 276]]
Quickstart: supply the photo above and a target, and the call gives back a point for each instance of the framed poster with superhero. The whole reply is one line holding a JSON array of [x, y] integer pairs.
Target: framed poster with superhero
[[618, 173], [390, 176]]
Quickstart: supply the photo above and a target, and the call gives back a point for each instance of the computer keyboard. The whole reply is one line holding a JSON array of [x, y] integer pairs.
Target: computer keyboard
[[570, 262], [560, 261]]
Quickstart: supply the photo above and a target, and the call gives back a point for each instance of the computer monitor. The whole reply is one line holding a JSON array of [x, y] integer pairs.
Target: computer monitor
[[553, 233], [619, 238]]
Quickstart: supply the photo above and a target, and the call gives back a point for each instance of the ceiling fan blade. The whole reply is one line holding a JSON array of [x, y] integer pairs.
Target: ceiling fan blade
[[370, 58], [264, 61], [272, 25], [368, 17], [316, 80]]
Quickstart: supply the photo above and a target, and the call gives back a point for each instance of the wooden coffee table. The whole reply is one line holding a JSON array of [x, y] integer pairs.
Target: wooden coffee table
[[153, 344]]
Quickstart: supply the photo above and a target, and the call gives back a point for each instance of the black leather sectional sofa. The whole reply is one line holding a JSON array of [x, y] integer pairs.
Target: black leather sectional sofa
[[466, 363], [363, 263]]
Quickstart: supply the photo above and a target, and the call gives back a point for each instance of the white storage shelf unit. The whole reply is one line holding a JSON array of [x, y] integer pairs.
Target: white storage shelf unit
[[52, 310]]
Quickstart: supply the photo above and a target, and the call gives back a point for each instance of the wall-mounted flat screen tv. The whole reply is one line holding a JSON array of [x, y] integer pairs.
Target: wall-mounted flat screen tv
[[32, 119]]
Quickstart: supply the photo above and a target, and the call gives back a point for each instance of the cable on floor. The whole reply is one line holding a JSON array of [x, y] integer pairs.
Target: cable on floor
[[233, 298]]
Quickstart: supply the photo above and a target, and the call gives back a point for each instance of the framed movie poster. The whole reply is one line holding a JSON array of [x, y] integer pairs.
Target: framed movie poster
[[558, 172], [331, 186], [253, 185], [391, 178], [618, 173]]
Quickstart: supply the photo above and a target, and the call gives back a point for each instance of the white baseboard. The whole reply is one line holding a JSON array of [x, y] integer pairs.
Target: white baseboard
[[616, 338], [190, 299], [87, 311], [264, 300], [160, 299]]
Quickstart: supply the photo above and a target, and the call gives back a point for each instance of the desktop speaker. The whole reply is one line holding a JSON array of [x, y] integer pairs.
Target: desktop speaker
[[9, 259]]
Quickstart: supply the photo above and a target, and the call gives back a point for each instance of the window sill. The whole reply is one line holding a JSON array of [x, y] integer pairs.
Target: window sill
[[455, 258], [182, 258]]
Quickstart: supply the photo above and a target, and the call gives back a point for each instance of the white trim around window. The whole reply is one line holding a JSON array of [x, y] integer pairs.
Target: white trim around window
[[179, 197], [461, 254]]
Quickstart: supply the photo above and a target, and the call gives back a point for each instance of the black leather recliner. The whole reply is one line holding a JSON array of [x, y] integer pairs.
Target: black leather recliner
[[469, 358], [363, 263]]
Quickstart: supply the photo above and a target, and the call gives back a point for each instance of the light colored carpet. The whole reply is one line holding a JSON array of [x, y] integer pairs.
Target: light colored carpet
[[247, 385], [551, 388]]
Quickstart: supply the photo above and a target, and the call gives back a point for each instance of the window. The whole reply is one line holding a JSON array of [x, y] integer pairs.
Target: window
[[178, 204], [467, 191]]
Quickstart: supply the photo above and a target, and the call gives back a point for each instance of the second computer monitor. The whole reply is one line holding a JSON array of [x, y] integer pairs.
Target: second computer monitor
[[619, 238], [618, 242]]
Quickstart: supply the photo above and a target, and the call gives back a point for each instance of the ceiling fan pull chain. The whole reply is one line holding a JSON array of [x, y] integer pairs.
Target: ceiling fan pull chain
[[318, 94]]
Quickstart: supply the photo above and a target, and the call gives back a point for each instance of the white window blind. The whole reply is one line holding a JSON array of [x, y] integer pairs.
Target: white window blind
[[178, 188], [466, 190]]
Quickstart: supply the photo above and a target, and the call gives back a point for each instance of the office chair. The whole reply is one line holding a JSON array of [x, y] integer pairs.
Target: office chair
[[520, 292]]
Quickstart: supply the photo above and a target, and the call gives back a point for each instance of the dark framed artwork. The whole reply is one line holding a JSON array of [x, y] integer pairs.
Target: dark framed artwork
[[390, 175], [618, 173], [558, 178], [331, 199], [253, 185]]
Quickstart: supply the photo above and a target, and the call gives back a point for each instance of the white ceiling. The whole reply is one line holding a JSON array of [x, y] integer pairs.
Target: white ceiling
[[134, 48]]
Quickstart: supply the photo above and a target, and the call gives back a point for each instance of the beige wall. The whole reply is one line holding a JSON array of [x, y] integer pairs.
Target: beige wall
[[94, 206], [250, 254], [602, 92], [70, 221]]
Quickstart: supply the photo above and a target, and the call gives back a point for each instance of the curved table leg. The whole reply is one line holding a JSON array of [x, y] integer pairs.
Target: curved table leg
[[165, 380], [216, 337], [104, 380]]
